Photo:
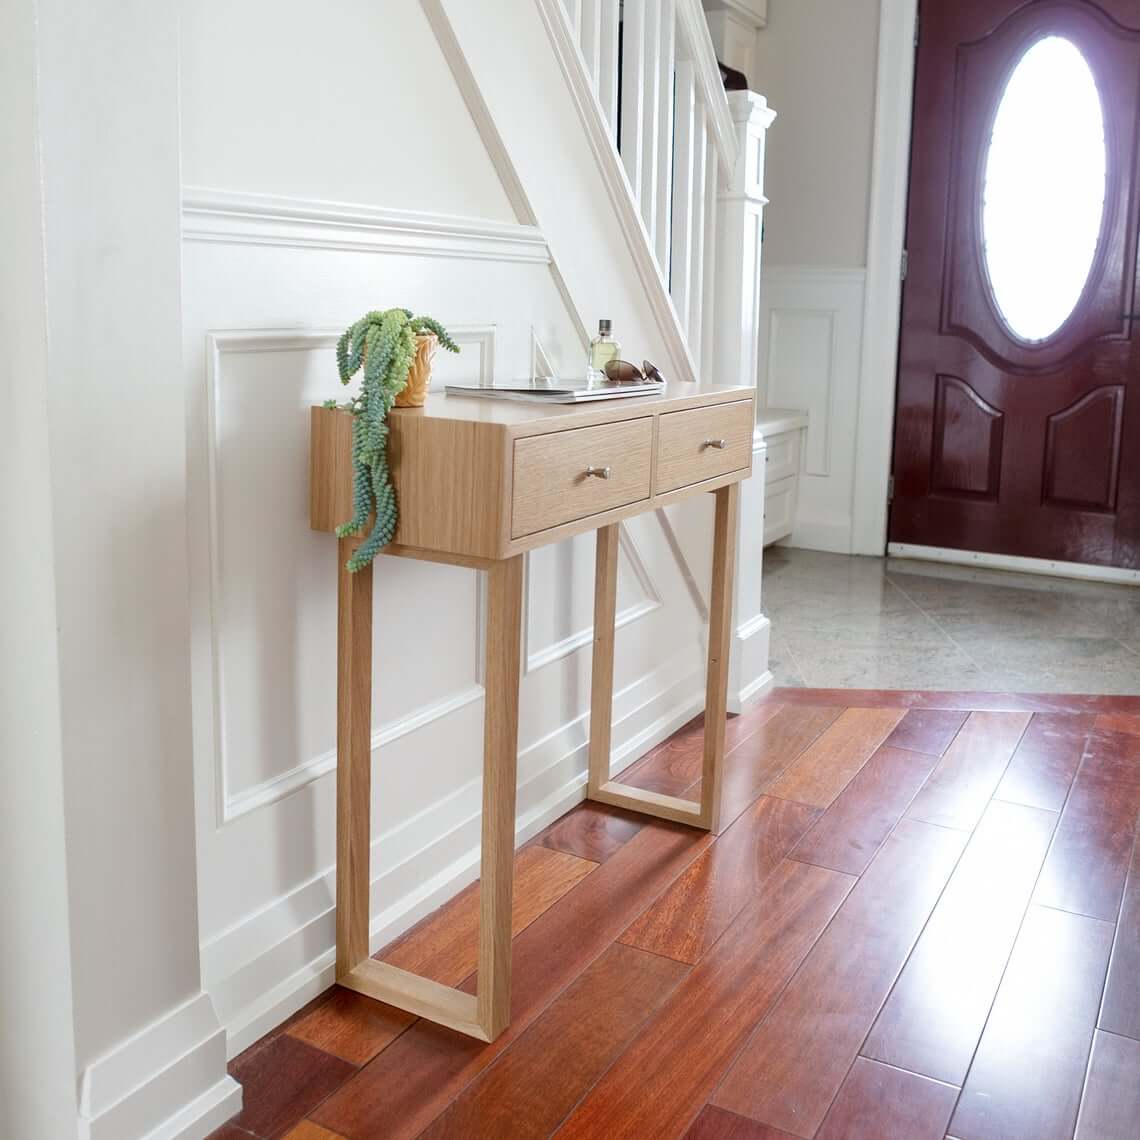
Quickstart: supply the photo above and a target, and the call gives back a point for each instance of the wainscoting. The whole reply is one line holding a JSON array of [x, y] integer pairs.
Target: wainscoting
[[809, 358]]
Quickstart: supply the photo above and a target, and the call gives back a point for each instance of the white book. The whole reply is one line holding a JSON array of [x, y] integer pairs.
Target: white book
[[550, 390]]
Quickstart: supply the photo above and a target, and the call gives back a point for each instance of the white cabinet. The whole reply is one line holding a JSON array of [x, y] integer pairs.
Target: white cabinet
[[783, 431]]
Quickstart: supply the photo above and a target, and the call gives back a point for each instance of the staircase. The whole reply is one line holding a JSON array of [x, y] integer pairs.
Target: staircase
[[656, 85]]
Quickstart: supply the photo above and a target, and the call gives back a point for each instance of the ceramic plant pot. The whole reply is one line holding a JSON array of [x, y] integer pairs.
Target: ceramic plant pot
[[419, 374]]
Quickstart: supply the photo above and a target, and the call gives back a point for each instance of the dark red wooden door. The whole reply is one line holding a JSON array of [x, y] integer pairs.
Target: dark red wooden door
[[1017, 429]]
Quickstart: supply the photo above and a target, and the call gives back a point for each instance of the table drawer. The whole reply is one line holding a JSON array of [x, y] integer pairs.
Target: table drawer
[[703, 443], [551, 486], [783, 455]]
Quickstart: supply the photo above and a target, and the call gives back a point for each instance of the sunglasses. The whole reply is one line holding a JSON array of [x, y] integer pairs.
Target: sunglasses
[[622, 372]]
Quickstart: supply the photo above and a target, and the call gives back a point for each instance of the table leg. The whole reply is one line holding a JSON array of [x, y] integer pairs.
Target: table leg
[[720, 623], [602, 673], [500, 768], [353, 759]]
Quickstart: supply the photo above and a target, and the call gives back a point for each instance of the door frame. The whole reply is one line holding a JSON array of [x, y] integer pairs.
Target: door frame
[[882, 303]]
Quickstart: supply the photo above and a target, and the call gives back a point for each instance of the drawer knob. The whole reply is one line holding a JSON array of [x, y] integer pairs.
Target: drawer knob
[[599, 472], [719, 444]]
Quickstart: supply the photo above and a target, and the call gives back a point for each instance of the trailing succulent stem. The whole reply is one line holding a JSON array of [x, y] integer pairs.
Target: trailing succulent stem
[[384, 343]]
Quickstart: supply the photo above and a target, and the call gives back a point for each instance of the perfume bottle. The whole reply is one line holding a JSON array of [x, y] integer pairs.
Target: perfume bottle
[[603, 349]]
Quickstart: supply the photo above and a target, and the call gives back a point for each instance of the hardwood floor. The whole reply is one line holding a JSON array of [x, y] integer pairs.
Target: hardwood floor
[[920, 919]]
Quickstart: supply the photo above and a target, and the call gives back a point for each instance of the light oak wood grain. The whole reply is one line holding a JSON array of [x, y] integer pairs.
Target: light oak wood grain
[[687, 444], [602, 670], [442, 1004], [552, 484], [354, 759], [500, 780]]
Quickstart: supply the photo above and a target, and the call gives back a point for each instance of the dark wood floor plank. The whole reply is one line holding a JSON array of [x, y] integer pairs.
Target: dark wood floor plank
[[412, 1081], [751, 768], [1047, 758], [791, 1069], [1120, 1011], [282, 1081], [1025, 1081], [1087, 866], [717, 1124], [848, 834], [971, 769], [877, 1102], [351, 1026], [307, 1130], [591, 831], [1110, 1108], [445, 945], [526, 1093], [662, 1081], [230, 1132], [937, 1010], [927, 730], [824, 769], [674, 764], [970, 700], [701, 904], [1120, 722]]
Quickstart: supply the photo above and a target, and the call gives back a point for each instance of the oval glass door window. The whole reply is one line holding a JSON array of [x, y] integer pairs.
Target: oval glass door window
[[1044, 188]]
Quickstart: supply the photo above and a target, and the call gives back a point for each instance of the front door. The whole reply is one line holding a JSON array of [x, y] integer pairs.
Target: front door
[[1017, 428]]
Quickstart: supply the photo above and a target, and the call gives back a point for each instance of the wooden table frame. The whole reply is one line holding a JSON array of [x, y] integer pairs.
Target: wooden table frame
[[489, 435], [485, 1014]]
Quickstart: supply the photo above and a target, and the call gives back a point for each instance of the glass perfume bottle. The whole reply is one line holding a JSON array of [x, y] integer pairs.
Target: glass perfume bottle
[[603, 349]]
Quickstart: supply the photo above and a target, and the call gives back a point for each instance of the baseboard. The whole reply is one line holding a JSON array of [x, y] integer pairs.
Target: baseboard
[[167, 1082], [749, 676], [1048, 567], [265, 968], [812, 534], [751, 693]]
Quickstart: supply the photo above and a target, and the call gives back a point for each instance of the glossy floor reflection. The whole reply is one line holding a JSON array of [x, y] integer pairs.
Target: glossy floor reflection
[[852, 622]]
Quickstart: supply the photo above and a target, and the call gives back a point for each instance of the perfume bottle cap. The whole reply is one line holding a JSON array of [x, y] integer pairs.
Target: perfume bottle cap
[[604, 326]]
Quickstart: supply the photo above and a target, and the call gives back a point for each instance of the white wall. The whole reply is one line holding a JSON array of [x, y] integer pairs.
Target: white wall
[[270, 276], [37, 1043], [816, 62], [340, 101]]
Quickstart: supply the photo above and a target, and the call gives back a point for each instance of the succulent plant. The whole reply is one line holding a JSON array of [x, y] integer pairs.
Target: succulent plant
[[384, 344]]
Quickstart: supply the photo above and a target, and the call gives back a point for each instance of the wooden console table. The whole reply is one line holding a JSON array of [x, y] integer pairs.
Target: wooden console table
[[481, 482]]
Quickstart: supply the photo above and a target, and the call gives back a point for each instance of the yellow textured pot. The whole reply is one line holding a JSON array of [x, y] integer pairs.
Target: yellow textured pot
[[419, 374]]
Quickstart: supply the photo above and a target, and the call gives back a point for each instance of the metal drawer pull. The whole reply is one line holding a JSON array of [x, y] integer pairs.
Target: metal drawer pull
[[719, 444], [600, 472]]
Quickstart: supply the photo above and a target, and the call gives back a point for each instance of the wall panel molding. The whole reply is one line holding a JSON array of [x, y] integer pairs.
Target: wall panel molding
[[265, 219], [231, 805], [809, 358]]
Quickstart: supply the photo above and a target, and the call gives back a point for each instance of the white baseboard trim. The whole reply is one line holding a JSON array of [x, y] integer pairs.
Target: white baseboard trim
[[1045, 566], [167, 1082], [265, 968], [751, 693]]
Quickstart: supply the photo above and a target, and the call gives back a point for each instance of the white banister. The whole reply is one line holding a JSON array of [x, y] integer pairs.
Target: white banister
[[663, 166], [696, 223], [704, 354], [695, 43], [633, 94], [684, 187]]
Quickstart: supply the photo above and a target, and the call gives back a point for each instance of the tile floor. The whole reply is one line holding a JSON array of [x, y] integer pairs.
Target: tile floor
[[853, 622]]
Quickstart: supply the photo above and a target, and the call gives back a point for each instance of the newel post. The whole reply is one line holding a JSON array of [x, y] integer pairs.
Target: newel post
[[740, 218]]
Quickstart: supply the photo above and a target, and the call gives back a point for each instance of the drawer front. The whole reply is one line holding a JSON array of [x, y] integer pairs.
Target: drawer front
[[779, 509], [551, 485], [783, 456], [703, 443]]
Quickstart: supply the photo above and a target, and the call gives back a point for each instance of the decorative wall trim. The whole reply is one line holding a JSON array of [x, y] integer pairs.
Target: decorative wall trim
[[268, 965], [172, 1063], [230, 806], [264, 219], [615, 182], [537, 659], [810, 328]]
